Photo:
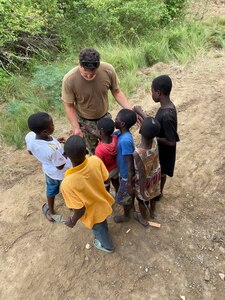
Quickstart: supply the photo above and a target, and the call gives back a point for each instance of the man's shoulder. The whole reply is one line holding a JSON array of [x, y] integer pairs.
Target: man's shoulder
[[106, 67], [71, 74]]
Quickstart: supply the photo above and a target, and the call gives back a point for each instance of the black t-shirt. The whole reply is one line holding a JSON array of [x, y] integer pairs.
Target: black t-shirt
[[167, 118]]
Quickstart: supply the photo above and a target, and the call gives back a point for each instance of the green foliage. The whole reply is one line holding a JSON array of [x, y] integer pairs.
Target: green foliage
[[173, 9], [18, 17], [49, 79]]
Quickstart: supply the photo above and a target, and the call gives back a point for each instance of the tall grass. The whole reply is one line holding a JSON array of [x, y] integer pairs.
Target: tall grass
[[41, 92]]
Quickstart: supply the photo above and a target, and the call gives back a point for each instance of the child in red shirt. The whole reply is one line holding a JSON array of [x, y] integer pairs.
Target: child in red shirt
[[106, 150]]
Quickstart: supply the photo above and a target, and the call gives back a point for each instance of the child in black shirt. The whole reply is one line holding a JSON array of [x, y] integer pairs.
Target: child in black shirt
[[167, 117]]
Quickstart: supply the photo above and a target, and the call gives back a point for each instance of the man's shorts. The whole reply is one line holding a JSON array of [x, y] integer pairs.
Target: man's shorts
[[52, 186], [122, 196], [91, 140]]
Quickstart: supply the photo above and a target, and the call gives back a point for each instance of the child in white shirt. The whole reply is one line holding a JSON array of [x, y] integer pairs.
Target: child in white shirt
[[50, 153]]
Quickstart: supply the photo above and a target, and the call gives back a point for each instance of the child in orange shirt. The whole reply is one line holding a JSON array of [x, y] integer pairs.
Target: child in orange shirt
[[84, 191]]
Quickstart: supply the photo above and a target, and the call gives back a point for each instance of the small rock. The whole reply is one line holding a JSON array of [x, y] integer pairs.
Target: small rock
[[88, 246], [182, 297], [207, 275], [130, 243], [86, 258], [140, 267], [128, 230], [146, 270], [222, 276]]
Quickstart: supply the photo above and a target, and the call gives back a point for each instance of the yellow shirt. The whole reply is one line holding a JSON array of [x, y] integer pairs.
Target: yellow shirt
[[83, 185]]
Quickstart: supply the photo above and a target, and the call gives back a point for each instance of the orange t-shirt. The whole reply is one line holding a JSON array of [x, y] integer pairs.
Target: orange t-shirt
[[83, 185]]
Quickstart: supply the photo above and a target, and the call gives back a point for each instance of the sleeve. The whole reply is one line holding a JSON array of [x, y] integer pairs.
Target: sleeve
[[70, 196], [67, 92], [169, 126], [58, 159], [29, 138], [127, 146]]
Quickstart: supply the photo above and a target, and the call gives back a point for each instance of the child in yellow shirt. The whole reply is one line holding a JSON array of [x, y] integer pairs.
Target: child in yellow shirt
[[84, 191]]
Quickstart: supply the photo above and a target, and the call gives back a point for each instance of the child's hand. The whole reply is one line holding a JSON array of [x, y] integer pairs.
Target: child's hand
[[69, 222], [61, 140], [141, 115]]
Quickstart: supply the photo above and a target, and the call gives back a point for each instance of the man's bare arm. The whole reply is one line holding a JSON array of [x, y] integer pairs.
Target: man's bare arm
[[73, 119]]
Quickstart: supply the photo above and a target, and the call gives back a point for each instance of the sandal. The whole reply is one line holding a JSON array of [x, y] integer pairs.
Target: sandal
[[121, 219], [45, 211], [137, 216], [98, 245]]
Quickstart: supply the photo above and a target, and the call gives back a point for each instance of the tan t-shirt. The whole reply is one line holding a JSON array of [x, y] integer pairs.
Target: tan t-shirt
[[90, 97]]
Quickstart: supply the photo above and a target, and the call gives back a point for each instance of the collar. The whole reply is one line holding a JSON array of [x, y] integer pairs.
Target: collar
[[77, 168]]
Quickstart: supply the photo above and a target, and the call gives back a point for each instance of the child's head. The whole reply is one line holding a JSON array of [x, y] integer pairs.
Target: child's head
[[41, 123], [161, 85], [125, 118], [105, 126], [150, 128], [75, 149]]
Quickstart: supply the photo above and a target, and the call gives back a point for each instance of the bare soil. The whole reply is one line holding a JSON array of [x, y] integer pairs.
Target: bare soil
[[43, 260]]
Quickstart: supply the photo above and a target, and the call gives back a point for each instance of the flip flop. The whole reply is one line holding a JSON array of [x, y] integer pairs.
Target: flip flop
[[137, 216], [45, 211], [58, 218], [121, 219], [98, 245]]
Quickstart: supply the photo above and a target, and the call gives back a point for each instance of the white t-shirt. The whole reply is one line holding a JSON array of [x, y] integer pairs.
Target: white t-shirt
[[50, 154]]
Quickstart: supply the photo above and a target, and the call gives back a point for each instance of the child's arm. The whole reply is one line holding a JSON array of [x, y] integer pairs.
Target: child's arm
[[164, 141], [61, 140], [141, 114], [131, 173], [89, 129], [60, 167], [78, 213]]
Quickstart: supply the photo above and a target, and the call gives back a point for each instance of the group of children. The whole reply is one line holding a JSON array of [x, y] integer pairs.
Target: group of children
[[84, 180]]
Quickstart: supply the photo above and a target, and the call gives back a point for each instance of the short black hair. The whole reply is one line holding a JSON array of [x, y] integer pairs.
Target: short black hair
[[128, 116], [150, 128], [107, 125], [89, 59], [38, 122], [163, 84], [75, 147]]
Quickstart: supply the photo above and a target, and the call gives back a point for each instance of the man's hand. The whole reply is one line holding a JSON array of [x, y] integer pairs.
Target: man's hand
[[76, 131]]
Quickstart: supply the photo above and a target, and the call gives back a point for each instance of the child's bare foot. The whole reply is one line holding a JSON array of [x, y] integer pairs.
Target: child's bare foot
[[121, 219], [137, 216], [152, 214]]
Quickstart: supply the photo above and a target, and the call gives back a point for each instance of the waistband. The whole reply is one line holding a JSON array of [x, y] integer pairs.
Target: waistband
[[94, 120]]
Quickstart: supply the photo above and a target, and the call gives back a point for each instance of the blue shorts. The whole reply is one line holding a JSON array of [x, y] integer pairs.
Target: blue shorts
[[52, 186], [101, 233]]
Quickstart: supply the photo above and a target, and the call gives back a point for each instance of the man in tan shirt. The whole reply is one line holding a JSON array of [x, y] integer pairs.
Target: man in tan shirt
[[85, 94]]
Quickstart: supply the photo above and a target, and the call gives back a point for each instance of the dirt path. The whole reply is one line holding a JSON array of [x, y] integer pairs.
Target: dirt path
[[41, 260]]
